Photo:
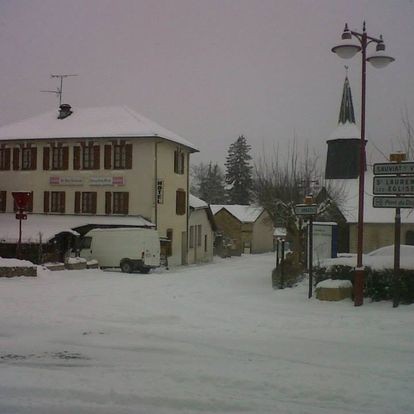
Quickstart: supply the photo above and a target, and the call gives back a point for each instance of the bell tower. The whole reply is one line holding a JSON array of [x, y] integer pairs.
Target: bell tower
[[342, 161]]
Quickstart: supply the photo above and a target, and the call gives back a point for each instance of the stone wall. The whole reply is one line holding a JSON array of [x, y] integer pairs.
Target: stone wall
[[30, 271]]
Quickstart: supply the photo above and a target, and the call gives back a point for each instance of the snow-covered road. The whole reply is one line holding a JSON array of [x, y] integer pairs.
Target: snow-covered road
[[200, 339]]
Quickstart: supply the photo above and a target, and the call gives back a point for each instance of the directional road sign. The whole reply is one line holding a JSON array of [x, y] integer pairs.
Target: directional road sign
[[394, 185], [394, 168], [393, 202], [306, 209]]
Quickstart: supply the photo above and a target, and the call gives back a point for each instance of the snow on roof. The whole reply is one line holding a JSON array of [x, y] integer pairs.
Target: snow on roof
[[245, 214], [344, 131], [196, 202], [349, 207], [48, 225], [112, 121]]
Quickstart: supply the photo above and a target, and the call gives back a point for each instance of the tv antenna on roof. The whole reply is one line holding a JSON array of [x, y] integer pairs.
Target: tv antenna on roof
[[59, 89]]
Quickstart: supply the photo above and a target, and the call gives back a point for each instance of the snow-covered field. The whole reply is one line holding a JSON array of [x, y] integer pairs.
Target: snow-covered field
[[201, 339]]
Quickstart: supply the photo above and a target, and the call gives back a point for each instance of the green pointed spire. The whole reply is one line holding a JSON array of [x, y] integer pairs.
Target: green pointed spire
[[346, 113]]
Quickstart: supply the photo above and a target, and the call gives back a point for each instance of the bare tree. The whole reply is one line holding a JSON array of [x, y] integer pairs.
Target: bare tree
[[280, 185], [407, 139]]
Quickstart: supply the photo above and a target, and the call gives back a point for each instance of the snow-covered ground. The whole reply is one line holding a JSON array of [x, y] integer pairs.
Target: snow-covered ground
[[201, 339]]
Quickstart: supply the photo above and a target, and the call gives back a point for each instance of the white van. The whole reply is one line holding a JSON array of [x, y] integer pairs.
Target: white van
[[128, 248]]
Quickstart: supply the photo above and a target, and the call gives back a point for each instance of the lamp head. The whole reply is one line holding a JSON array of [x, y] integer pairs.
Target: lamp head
[[346, 34], [380, 59]]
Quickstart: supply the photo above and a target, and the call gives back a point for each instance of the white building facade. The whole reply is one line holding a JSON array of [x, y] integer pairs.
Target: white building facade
[[101, 162]]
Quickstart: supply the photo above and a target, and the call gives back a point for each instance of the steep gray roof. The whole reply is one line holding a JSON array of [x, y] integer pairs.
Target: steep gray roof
[[346, 112]]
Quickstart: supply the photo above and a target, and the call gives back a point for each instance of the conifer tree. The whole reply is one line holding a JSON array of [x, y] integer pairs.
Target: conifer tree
[[239, 172], [212, 186]]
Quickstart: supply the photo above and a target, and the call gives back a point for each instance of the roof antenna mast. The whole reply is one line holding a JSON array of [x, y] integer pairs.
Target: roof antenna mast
[[59, 89]]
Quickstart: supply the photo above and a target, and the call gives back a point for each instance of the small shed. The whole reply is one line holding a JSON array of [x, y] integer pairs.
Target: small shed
[[201, 229], [249, 228]]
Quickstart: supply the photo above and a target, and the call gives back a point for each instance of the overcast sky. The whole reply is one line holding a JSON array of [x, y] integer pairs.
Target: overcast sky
[[210, 70]]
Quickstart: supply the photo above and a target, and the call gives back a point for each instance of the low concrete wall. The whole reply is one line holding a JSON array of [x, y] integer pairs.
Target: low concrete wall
[[30, 271]]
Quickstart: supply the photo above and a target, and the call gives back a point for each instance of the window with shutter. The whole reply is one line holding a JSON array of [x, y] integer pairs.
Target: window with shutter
[[3, 199], [4, 159], [88, 202], [76, 158], [180, 202], [60, 158], [179, 161], [46, 158], [120, 202], [96, 157], [77, 202], [107, 156], [16, 158], [108, 201], [57, 202], [46, 201]]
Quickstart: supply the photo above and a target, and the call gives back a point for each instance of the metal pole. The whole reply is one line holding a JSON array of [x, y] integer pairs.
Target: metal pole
[[19, 244], [397, 243], [277, 253], [359, 271], [310, 256], [282, 266]]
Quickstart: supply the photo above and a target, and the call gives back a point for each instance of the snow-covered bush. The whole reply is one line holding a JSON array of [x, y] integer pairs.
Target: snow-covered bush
[[378, 283]]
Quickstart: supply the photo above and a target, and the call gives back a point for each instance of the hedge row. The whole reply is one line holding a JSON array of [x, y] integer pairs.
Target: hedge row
[[378, 284]]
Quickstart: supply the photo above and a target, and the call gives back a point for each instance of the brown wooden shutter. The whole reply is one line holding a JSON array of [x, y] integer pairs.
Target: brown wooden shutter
[[65, 158], [125, 207], [76, 158], [96, 157], [3, 195], [77, 202], [108, 201], [180, 202], [62, 201], [46, 158], [46, 201], [182, 163], [94, 203], [33, 160], [16, 158], [175, 161], [128, 151], [108, 156], [7, 156]]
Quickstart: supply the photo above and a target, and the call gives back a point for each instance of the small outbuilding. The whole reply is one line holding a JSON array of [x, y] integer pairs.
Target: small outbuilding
[[202, 228], [249, 228]]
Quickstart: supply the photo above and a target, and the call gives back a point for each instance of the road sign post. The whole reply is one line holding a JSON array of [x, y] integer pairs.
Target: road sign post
[[21, 199], [399, 186]]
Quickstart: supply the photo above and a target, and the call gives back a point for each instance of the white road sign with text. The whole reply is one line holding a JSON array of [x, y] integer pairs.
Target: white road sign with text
[[393, 185]]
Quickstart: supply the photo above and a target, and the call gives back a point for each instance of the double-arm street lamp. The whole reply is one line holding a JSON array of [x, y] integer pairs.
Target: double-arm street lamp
[[346, 50]]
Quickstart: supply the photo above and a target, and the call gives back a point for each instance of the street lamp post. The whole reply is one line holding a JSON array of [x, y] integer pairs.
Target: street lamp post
[[347, 50]]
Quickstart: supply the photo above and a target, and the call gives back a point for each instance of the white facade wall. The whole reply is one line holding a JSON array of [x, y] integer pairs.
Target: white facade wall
[[152, 160], [201, 250]]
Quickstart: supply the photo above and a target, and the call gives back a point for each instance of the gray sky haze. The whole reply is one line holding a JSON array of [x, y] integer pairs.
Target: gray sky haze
[[210, 70]]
